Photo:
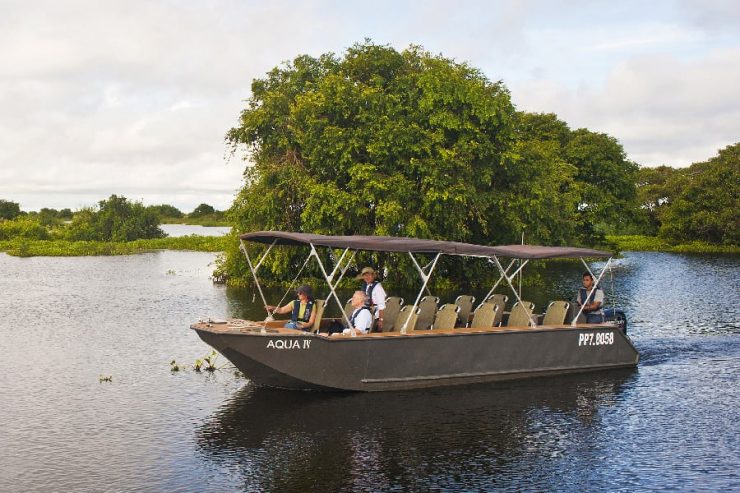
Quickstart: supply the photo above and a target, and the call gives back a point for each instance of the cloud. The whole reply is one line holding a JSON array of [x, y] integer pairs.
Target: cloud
[[664, 110], [134, 98]]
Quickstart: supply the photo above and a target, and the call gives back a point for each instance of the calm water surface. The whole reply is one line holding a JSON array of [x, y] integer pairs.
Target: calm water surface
[[669, 425]]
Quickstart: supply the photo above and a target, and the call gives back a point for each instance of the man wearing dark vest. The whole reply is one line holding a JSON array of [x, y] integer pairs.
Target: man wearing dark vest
[[374, 292], [592, 307], [302, 314], [361, 320]]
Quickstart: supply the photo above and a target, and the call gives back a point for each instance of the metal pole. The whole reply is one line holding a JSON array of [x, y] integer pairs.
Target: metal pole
[[331, 287], [513, 289], [425, 278]]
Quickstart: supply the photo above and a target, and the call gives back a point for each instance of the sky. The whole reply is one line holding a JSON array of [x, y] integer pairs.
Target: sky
[[134, 97]]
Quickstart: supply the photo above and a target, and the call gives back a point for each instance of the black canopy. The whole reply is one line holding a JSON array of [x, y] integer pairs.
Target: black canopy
[[415, 245]]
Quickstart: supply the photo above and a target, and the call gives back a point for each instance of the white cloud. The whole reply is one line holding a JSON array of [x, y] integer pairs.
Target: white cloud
[[663, 110], [134, 98]]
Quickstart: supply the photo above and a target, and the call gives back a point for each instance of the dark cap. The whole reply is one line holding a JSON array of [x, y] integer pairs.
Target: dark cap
[[304, 289]]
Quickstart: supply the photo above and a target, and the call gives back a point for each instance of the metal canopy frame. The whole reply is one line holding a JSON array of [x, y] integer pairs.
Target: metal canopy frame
[[425, 272]]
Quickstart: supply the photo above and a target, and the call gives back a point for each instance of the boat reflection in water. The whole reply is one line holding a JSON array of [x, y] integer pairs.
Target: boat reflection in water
[[532, 432]]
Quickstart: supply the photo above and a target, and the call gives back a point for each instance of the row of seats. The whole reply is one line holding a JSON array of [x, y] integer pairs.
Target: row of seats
[[428, 315], [491, 313]]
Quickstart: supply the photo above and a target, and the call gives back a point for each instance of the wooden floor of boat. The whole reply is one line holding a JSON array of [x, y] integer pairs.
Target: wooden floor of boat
[[276, 328]]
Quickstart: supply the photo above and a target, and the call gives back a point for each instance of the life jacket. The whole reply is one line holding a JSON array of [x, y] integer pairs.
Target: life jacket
[[354, 316], [368, 290], [583, 292], [297, 308]]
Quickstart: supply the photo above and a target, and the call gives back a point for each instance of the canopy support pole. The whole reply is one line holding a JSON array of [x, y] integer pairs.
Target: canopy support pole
[[333, 293], [501, 278], [513, 289], [254, 270], [593, 288], [425, 277]]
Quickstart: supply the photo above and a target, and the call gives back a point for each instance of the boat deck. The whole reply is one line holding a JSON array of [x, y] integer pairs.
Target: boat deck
[[238, 326]]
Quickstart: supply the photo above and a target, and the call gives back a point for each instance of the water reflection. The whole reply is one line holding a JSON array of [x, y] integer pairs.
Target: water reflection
[[454, 438]]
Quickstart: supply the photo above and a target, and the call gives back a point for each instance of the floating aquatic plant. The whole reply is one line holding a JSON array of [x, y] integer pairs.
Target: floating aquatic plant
[[103, 378]]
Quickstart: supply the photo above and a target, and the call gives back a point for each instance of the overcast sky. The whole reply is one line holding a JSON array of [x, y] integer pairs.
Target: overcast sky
[[134, 97]]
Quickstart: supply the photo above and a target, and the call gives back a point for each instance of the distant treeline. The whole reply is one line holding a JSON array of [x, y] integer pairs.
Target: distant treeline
[[115, 219]]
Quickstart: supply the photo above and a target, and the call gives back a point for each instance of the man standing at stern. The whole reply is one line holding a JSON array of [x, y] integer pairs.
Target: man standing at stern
[[375, 294]]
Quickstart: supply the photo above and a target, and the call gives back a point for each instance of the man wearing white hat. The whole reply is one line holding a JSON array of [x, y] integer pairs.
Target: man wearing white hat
[[375, 294]]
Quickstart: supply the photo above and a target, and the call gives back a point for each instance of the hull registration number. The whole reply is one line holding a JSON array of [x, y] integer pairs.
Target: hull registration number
[[596, 339]]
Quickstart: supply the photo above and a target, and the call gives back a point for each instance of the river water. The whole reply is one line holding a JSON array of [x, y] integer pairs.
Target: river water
[[669, 425]]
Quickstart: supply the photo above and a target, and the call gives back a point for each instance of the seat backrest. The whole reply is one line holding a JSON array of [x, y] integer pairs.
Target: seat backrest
[[318, 306], [465, 302], [390, 315], [500, 301], [348, 308], [556, 313], [446, 317], [521, 314], [407, 313], [484, 316], [427, 310]]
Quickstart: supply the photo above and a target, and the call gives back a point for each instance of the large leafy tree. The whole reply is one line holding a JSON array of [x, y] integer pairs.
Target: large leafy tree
[[653, 197], [408, 144], [706, 201]]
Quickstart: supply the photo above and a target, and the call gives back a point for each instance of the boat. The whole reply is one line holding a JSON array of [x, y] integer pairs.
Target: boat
[[411, 357]]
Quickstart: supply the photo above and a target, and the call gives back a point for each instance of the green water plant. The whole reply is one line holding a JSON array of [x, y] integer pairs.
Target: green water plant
[[105, 378]]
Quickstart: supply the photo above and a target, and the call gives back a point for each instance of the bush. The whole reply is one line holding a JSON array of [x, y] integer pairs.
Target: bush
[[23, 227]]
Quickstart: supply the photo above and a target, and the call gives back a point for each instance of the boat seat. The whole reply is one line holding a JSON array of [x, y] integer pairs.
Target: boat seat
[[390, 315], [521, 314], [318, 306], [407, 316], [348, 308], [556, 313], [427, 310], [446, 317], [500, 301], [484, 316], [465, 302]]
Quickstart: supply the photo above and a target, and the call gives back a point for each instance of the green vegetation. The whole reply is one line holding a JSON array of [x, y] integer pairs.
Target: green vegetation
[[203, 215], [698, 203], [656, 244], [115, 227], [115, 219], [9, 210], [64, 248], [410, 144], [378, 141]]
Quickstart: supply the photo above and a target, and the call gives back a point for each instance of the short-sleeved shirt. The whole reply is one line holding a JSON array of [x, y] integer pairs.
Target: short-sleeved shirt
[[378, 298]]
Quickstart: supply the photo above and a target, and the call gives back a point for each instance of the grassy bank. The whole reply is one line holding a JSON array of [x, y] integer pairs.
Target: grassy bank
[[62, 248], [637, 243]]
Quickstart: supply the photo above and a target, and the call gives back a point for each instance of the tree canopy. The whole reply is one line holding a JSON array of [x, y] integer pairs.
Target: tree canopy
[[114, 219], [703, 201], [413, 144], [9, 210]]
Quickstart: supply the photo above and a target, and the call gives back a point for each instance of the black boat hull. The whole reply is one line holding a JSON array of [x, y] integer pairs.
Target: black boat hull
[[290, 359]]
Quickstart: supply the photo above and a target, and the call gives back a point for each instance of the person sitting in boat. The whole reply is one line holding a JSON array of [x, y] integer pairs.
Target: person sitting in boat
[[361, 320], [374, 292], [302, 314], [592, 307]]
